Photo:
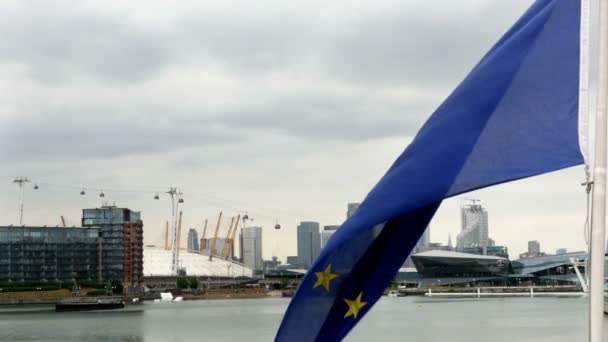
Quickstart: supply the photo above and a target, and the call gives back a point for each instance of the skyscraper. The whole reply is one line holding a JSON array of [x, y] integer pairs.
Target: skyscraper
[[352, 207], [474, 220], [309, 243], [193, 241], [326, 234], [533, 248], [251, 248]]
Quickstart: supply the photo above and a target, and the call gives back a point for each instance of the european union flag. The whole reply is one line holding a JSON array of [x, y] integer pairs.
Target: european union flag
[[515, 115]]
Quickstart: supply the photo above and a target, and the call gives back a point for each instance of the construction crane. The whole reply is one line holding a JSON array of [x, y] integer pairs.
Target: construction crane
[[214, 243], [472, 200], [203, 241]]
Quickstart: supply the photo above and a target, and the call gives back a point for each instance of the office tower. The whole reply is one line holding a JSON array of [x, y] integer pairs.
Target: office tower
[[533, 248], [474, 233], [327, 233], [193, 245], [352, 207], [251, 247], [309, 243]]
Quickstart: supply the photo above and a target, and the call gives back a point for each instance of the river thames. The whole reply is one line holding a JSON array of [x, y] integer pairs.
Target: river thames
[[392, 319]]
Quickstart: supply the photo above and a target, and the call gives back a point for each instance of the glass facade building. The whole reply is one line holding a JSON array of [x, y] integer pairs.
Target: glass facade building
[[251, 248], [121, 233], [453, 268], [193, 246], [48, 253], [309, 243]]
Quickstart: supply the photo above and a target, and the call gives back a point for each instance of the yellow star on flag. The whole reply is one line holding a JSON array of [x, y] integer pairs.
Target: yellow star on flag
[[354, 306], [323, 278]]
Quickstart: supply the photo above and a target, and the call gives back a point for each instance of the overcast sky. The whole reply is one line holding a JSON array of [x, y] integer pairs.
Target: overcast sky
[[285, 109]]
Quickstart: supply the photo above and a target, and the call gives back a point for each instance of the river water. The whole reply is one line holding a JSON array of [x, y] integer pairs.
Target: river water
[[416, 319]]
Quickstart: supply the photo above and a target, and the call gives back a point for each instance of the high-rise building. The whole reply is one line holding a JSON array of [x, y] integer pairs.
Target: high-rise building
[[121, 232], [309, 242], [474, 233], [293, 261], [352, 207], [251, 248], [327, 233], [533, 248], [193, 246]]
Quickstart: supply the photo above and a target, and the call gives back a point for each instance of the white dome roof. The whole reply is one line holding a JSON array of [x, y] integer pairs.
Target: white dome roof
[[157, 262]]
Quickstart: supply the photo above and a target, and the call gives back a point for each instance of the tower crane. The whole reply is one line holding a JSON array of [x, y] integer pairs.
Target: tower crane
[[472, 200]]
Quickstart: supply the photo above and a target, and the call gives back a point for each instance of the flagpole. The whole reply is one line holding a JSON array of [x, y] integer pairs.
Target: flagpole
[[598, 220]]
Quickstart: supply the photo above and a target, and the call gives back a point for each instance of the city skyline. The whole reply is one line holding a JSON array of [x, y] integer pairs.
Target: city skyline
[[253, 120]]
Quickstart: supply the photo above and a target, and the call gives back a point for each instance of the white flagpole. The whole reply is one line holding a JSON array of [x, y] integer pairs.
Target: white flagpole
[[598, 220]]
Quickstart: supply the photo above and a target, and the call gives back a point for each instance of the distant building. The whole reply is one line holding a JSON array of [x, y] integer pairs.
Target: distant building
[[293, 261], [122, 235], [251, 248], [309, 243], [109, 247], [443, 268], [352, 207], [561, 251], [437, 268], [474, 223], [193, 246], [271, 265], [533, 248], [327, 233]]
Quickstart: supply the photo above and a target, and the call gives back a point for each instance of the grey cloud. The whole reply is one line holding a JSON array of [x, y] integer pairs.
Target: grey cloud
[[372, 53], [64, 136], [320, 117], [403, 46], [244, 42], [56, 41]]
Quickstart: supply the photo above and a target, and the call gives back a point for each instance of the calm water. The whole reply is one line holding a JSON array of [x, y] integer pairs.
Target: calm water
[[392, 319]]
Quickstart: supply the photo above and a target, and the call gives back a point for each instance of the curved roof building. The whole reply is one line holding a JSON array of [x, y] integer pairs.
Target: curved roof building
[[157, 262], [449, 268]]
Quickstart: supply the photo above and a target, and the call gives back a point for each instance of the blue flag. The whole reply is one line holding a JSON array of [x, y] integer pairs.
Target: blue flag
[[515, 115]]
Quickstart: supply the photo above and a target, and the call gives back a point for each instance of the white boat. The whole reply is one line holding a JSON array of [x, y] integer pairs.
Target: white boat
[[178, 299], [392, 293], [166, 297]]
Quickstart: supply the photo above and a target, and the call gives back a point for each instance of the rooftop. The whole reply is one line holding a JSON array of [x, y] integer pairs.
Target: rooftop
[[449, 254]]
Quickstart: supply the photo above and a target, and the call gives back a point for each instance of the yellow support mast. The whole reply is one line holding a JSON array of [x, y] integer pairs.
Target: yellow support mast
[[214, 243], [203, 242]]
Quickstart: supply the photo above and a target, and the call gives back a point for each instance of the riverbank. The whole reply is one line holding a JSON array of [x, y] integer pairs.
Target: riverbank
[[472, 291], [59, 296]]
